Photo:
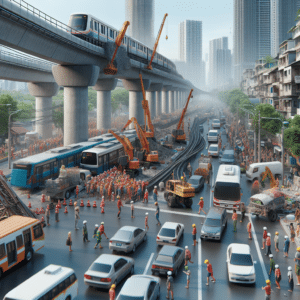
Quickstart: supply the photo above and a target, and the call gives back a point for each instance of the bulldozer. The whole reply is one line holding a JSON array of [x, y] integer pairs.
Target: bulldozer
[[179, 193]]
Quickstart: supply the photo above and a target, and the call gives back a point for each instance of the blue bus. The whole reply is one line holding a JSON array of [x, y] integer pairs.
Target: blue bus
[[31, 172]]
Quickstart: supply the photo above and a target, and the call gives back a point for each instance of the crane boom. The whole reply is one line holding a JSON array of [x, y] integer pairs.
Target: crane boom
[[110, 68], [141, 136], [149, 67], [125, 142], [181, 121]]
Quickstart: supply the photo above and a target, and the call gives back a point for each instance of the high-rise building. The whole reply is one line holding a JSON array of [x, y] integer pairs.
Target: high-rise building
[[140, 14], [252, 34], [283, 14], [190, 50], [219, 63]]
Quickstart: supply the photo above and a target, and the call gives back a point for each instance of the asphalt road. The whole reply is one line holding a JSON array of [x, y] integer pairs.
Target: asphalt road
[[56, 252]]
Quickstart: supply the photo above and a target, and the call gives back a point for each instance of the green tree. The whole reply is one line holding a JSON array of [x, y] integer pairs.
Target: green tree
[[267, 110], [4, 112], [119, 96], [27, 111], [292, 136]]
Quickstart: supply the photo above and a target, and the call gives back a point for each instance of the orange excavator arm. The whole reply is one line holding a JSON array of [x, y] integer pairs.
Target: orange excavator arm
[[126, 125], [181, 121], [110, 68], [141, 135], [149, 67], [266, 173], [126, 144], [147, 117]]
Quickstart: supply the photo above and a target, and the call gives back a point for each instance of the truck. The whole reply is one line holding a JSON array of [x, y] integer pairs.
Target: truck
[[204, 167], [179, 193], [65, 184]]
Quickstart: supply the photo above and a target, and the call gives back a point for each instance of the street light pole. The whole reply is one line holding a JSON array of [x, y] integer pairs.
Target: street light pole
[[282, 153], [259, 144]]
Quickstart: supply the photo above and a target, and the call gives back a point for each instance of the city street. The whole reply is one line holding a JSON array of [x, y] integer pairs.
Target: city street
[[56, 251]]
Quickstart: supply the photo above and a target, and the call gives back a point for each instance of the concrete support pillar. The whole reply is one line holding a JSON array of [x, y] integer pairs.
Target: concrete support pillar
[[171, 101], [75, 80], [104, 88], [136, 98], [165, 99], [158, 103], [175, 100], [151, 97], [43, 92]]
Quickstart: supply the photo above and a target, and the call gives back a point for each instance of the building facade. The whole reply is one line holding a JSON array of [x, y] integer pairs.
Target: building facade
[[140, 14]]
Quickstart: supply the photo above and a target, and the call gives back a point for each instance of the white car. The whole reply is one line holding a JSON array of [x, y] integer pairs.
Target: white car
[[213, 136], [216, 123], [213, 150], [170, 233], [240, 265]]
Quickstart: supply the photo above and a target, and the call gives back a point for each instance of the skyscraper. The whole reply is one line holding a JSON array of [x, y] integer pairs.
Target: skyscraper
[[251, 34], [140, 14], [219, 63], [283, 14], [190, 50]]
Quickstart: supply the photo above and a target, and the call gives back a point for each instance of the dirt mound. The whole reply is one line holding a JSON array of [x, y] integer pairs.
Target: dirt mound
[[163, 152]]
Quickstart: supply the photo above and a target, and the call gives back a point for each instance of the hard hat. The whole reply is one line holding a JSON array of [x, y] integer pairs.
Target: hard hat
[[276, 232], [194, 225], [102, 197], [131, 202], [290, 268], [298, 249], [146, 214], [113, 286], [201, 198], [186, 247], [270, 255], [96, 225], [169, 273], [276, 266], [84, 222], [102, 223], [268, 281], [155, 203], [206, 261], [269, 234], [265, 228], [155, 187], [186, 268], [286, 237]]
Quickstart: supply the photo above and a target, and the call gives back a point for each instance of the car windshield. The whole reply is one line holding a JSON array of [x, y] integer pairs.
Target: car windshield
[[216, 121], [89, 158], [241, 259], [194, 181], [124, 297], [212, 222], [228, 156], [214, 148], [100, 268], [213, 134], [167, 232], [165, 258], [227, 191]]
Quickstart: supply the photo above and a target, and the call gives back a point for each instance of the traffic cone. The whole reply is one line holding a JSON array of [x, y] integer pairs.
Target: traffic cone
[[94, 204], [29, 204], [59, 205], [28, 196], [65, 202], [88, 204], [102, 210], [81, 203], [66, 210], [42, 211], [70, 203]]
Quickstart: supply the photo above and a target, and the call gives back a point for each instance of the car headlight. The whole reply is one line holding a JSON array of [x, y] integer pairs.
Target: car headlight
[[217, 233], [202, 231]]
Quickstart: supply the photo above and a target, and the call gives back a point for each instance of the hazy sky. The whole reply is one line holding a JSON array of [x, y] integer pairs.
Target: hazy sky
[[216, 15]]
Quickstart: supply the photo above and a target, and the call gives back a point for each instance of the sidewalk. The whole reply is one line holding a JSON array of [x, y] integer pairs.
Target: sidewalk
[[285, 226]]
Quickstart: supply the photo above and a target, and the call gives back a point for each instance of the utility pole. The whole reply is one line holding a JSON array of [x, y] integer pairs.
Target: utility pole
[[259, 145], [9, 146], [255, 146], [282, 153]]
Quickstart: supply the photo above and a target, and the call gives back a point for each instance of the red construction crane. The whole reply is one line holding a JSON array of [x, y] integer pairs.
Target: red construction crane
[[179, 133], [110, 68], [133, 163], [149, 67]]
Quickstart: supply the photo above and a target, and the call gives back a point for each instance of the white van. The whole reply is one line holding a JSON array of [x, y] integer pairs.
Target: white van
[[256, 169], [213, 136]]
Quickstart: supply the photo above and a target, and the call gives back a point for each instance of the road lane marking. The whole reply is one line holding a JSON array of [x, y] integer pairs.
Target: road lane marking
[[167, 211], [258, 251], [212, 184], [148, 264], [199, 271]]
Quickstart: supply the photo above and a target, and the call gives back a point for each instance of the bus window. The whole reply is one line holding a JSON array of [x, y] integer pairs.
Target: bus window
[[2, 251], [89, 158], [11, 252], [55, 164], [102, 29], [54, 291], [91, 24], [19, 241], [39, 170], [100, 160], [61, 286], [37, 231], [46, 168], [71, 159], [27, 238], [72, 278]]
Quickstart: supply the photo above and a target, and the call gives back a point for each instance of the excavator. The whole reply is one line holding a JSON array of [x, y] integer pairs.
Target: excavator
[[178, 133], [269, 174], [148, 128], [148, 156], [149, 67], [129, 163]]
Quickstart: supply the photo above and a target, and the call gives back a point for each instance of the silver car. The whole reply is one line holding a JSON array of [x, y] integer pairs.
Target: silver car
[[216, 123], [140, 287], [170, 233], [108, 269], [215, 223], [169, 258], [127, 239]]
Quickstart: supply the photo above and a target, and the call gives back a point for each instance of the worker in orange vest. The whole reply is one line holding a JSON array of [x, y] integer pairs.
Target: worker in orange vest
[[146, 196], [249, 230], [234, 218], [112, 292], [265, 234], [194, 232], [119, 205], [77, 191], [188, 255], [146, 222], [101, 229], [201, 204]]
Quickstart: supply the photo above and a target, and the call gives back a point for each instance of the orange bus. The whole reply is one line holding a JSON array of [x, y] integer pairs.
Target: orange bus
[[20, 237]]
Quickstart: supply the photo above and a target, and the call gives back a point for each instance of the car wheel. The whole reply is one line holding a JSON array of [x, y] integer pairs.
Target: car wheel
[[132, 270], [145, 238], [134, 248], [188, 202], [171, 201], [67, 194], [272, 215], [28, 255], [166, 195]]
